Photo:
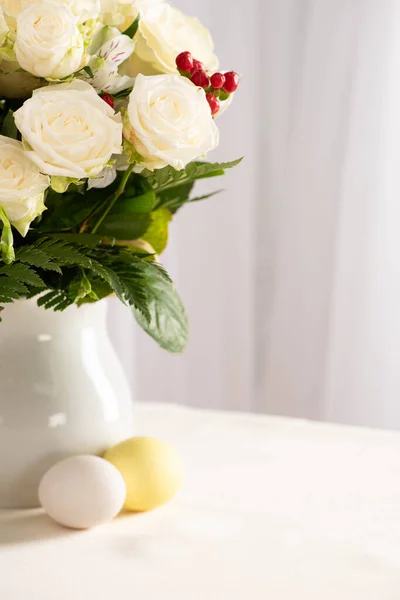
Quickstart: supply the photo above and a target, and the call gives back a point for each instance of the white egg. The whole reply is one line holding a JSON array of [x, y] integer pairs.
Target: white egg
[[82, 492]]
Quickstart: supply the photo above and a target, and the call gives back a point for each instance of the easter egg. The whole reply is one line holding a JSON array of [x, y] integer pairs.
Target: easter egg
[[82, 491], [153, 471]]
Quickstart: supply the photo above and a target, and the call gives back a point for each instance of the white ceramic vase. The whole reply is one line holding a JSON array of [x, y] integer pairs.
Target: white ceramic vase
[[63, 392]]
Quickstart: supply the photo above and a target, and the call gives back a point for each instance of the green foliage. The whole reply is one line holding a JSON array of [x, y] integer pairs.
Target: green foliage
[[86, 245], [157, 232], [174, 197], [167, 177], [168, 322], [9, 128], [132, 30], [7, 239]]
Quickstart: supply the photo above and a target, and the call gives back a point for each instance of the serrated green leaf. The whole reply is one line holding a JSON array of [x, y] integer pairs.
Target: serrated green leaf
[[205, 196], [62, 252], [89, 240], [36, 258], [169, 177], [23, 273], [168, 324], [124, 276], [8, 285]]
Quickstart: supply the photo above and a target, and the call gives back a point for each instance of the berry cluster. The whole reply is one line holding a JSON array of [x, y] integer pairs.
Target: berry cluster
[[218, 87], [108, 99]]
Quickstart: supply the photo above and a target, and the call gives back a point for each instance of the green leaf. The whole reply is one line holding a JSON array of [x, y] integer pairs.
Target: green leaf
[[89, 71], [132, 29], [89, 240], [100, 289], [63, 253], [6, 240], [36, 258], [175, 197], [169, 177], [157, 233], [9, 128], [61, 184], [206, 196], [168, 324], [56, 299], [142, 203], [125, 226], [130, 217], [123, 273], [23, 273], [12, 287], [80, 288], [69, 210]]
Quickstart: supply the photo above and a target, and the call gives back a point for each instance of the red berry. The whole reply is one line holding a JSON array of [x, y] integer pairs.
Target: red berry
[[231, 82], [214, 103], [108, 99], [198, 66], [184, 61], [217, 81], [200, 78]]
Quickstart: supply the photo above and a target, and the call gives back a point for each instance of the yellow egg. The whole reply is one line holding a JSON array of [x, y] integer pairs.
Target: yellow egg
[[153, 471]]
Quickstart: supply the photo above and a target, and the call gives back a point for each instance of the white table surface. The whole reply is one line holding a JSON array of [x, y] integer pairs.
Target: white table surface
[[272, 509]]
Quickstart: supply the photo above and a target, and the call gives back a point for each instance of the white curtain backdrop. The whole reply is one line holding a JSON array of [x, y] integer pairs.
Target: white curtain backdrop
[[292, 277]]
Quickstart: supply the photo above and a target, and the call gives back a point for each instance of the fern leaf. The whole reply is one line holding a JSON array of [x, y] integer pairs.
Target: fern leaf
[[22, 273], [36, 258], [63, 253], [8, 285], [125, 278], [46, 299], [56, 299]]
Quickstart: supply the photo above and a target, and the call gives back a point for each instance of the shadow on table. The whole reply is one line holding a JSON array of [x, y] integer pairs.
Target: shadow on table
[[29, 526]]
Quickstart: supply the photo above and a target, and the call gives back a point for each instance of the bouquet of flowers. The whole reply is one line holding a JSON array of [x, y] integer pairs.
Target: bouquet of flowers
[[107, 112]]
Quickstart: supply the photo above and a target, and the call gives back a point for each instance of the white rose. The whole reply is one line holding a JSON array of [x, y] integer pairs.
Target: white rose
[[12, 7], [163, 33], [22, 185], [68, 130], [82, 9], [3, 28], [121, 13], [49, 42], [118, 13], [169, 121]]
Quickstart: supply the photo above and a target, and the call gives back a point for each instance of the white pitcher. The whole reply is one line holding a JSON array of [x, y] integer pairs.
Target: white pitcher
[[63, 392]]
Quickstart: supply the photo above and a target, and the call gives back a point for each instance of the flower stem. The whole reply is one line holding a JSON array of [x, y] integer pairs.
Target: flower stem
[[112, 200]]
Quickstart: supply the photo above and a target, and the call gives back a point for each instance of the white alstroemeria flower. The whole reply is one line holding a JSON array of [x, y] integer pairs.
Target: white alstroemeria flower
[[68, 131], [22, 186], [169, 122], [109, 50], [49, 43], [105, 178]]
